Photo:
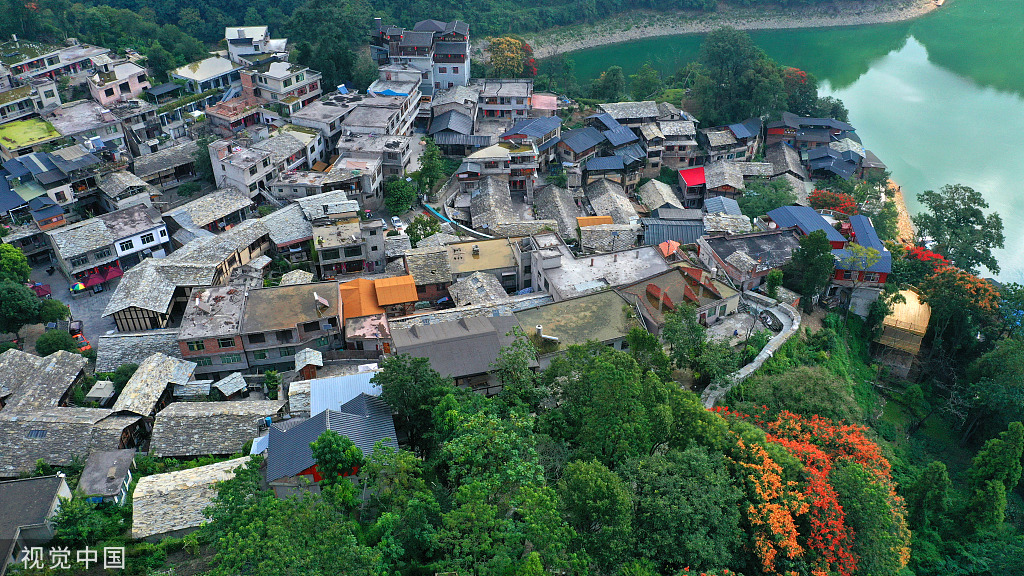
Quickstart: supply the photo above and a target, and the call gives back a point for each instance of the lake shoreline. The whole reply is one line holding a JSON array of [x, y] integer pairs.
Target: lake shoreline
[[637, 25]]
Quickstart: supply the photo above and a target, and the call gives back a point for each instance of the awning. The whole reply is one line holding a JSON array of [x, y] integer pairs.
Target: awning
[[92, 280], [111, 273], [41, 290]]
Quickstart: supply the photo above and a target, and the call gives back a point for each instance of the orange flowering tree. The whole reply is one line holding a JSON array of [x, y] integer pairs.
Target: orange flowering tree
[[829, 200], [962, 306]]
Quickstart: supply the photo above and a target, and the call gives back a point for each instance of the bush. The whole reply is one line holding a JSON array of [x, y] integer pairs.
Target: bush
[[187, 189], [55, 340]]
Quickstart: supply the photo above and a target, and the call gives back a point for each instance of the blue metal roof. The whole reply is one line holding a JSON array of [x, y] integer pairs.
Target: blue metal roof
[[884, 264], [331, 393], [657, 231], [582, 139], [605, 119], [864, 233], [16, 169], [722, 205], [620, 135], [9, 200], [548, 144], [605, 163], [806, 219], [259, 444], [747, 129], [534, 127]]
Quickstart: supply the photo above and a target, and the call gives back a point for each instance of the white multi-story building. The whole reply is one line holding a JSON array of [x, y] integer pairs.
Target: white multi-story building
[[247, 43]]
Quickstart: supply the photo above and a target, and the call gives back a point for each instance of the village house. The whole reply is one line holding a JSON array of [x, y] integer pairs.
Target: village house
[[684, 226], [557, 271], [290, 233], [462, 349], [99, 249], [31, 98], [29, 381], [344, 242], [210, 333], [29, 506], [504, 97], [171, 504], [327, 113], [149, 293], [152, 385], [120, 190], [193, 429], [214, 212], [31, 241], [213, 73], [88, 123], [683, 285], [169, 167], [746, 259], [656, 194], [291, 468], [728, 178], [120, 348], [279, 321], [438, 50], [27, 60], [250, 44], [604, 317], [858, 281], [394, 152], [559, 205], [430, 270], [26, 136], [384, 114], [314, 395], [544, 133], [107, 476], [805, 220], [117, 81], [803, 133]]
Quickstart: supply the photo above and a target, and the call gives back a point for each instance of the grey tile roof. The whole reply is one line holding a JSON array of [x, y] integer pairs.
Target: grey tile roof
[[288, 225], [452, 120], [678, 128], [165, 159], [766, 249], [439, 239], [308, 357], [784, 158], [395, 246], [281, 146], [719, 137], [624, 110], [607, 198], [58, 435], [429, 265], [731, 223], [458, 94], [25, 502], [115, 183], [313, 206], [656, 194], [37, 383], [131, 221], [365, 420], [477, 288], [211, 207], [149, 382], [80, 238], [554, 203], [164, 503], [459, 348], [105, 471], [114, 350], [609, 237], [231, 384], [208, 428], [491, 204]]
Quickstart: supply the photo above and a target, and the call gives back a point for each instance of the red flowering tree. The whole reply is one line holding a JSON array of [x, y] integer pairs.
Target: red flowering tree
[[529, 63], [838, 201]]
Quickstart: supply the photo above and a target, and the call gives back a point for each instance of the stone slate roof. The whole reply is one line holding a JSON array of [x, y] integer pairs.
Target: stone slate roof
[[731, 223], [231, 384], [395, 246], [35, 383], [121, 348], [288, 225], [719, 137], [729, 173], [429, 265], [477, 288], [56, 436], [91, 234], [149, 382], [626, 110], [607, 198], [554, 203], [439, 239], [164, 503], [491, 204], [656, 194], [765, 250], [208, 428], [117, 182], [105, 471], [784, 158], [211, 207], [678, 128], [165, 159], [365, 420]]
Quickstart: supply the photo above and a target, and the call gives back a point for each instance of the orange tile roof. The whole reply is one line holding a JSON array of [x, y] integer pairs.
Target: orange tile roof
[[583, 221], [359, 298], [668, 247], [396, 290]]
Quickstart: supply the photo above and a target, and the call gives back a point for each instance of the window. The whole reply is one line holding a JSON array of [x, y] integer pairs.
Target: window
[[311, 327], [331, 254], [148, 238], [455, 69], [284, 335], [163, 233], [126, 245], [871, 277], [61, 197], [257, 338], [204, 361], [79, 261], [266, 162], [101, 254], [49, 94], [847, 275], [252, 171], [373, 248], [196, 345], [373, 233], [300, 77], [259, 355], [353, 251], [721, 311], [225, 342], [442, 69], [323, 341], [287, 351], [37, 433], [109, 92], [112, 129], [231, 359]]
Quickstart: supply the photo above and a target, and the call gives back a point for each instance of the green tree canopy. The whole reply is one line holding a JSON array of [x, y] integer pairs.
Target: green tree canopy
[[18, 308], [811, 267], [609, 86], [53, 340], [51, 310], [805, 390], [880, 533], [412, 388], [954, 219], [399, 195], [646, 83], [736, 80], [422, 227], [13, 264], [761, 196], [598, 505], [336, 456]]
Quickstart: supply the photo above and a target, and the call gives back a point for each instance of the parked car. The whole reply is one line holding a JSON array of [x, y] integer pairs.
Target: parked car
[[396, 222], [83, 344], [384, 223]]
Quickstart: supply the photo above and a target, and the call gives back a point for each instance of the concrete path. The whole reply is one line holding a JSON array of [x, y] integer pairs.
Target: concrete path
[[790, 318]]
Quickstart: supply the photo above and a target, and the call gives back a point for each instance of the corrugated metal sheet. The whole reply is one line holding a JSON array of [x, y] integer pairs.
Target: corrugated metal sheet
[[683, 231], [332, 393]]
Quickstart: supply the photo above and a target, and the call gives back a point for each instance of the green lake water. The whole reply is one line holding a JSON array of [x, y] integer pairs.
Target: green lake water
[[939, 99]]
